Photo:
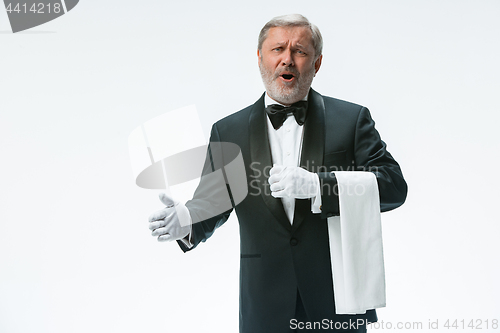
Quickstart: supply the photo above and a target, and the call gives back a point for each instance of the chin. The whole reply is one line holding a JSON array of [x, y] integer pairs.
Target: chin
[[286, 95]]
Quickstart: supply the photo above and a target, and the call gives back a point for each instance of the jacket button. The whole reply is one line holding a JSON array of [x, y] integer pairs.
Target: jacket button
[[294, 241]]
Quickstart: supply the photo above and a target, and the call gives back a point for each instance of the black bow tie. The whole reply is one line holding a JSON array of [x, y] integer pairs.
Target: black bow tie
[[278, 113]]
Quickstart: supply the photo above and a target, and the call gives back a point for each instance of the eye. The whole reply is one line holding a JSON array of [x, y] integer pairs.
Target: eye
[[301, 52], [277, 49]]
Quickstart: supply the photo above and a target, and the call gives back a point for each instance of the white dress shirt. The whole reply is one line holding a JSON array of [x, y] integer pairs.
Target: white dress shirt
[[286, 145]]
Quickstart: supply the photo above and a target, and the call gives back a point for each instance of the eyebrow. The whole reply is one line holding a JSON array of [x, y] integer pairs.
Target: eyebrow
[[285, 43], [279, 44]]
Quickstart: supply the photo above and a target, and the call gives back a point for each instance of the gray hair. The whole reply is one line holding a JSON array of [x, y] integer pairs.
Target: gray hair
[[293, 20]]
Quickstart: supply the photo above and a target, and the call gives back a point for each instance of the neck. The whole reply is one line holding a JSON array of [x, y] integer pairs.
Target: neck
[[285, 104]]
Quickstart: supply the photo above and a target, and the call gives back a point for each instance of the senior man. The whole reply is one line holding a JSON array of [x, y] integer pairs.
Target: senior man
[[291, 138]]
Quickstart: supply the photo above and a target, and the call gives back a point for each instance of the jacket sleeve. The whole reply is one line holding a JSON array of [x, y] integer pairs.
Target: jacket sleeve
[[212, 202], [370, 154]]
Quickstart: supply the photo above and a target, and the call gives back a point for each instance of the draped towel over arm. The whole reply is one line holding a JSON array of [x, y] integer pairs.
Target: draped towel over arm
[[356, 245]]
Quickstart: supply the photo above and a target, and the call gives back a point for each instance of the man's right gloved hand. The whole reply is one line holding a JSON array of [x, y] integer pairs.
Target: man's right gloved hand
[[171, 223]]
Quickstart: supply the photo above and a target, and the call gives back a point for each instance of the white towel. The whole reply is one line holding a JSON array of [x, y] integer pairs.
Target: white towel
[[356, 245]]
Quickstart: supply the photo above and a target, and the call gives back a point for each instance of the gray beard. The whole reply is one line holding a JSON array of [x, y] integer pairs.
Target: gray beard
[[286, 94]]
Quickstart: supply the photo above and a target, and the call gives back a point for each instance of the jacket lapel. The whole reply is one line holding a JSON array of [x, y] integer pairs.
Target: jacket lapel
[[313, 149], [261, 161]]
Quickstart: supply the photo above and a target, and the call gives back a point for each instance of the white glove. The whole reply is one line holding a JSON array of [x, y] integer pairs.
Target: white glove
[[293, 182], [171, 223]]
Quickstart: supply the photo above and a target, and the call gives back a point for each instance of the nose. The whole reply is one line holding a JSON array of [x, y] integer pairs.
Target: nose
[[287, 58]]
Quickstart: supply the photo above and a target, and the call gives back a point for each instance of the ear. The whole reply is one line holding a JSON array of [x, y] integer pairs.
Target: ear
[[259, 56], [317, 64]]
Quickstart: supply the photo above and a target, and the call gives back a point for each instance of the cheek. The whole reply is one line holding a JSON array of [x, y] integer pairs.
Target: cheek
[[268, 66], [306, 66]]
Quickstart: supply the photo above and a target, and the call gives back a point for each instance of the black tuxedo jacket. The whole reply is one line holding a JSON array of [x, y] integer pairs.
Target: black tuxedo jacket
[[279, 259]]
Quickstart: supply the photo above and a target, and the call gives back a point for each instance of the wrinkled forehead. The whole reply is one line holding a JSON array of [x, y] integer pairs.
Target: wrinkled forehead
[[296, 36]]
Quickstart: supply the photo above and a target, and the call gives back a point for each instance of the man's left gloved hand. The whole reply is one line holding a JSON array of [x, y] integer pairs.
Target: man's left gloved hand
[[293, 182]]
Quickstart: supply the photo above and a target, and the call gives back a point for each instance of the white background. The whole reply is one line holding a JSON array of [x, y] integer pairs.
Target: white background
[[75, 251]]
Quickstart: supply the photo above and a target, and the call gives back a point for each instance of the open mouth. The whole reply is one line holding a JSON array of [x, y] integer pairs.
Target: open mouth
[[287, 77]]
